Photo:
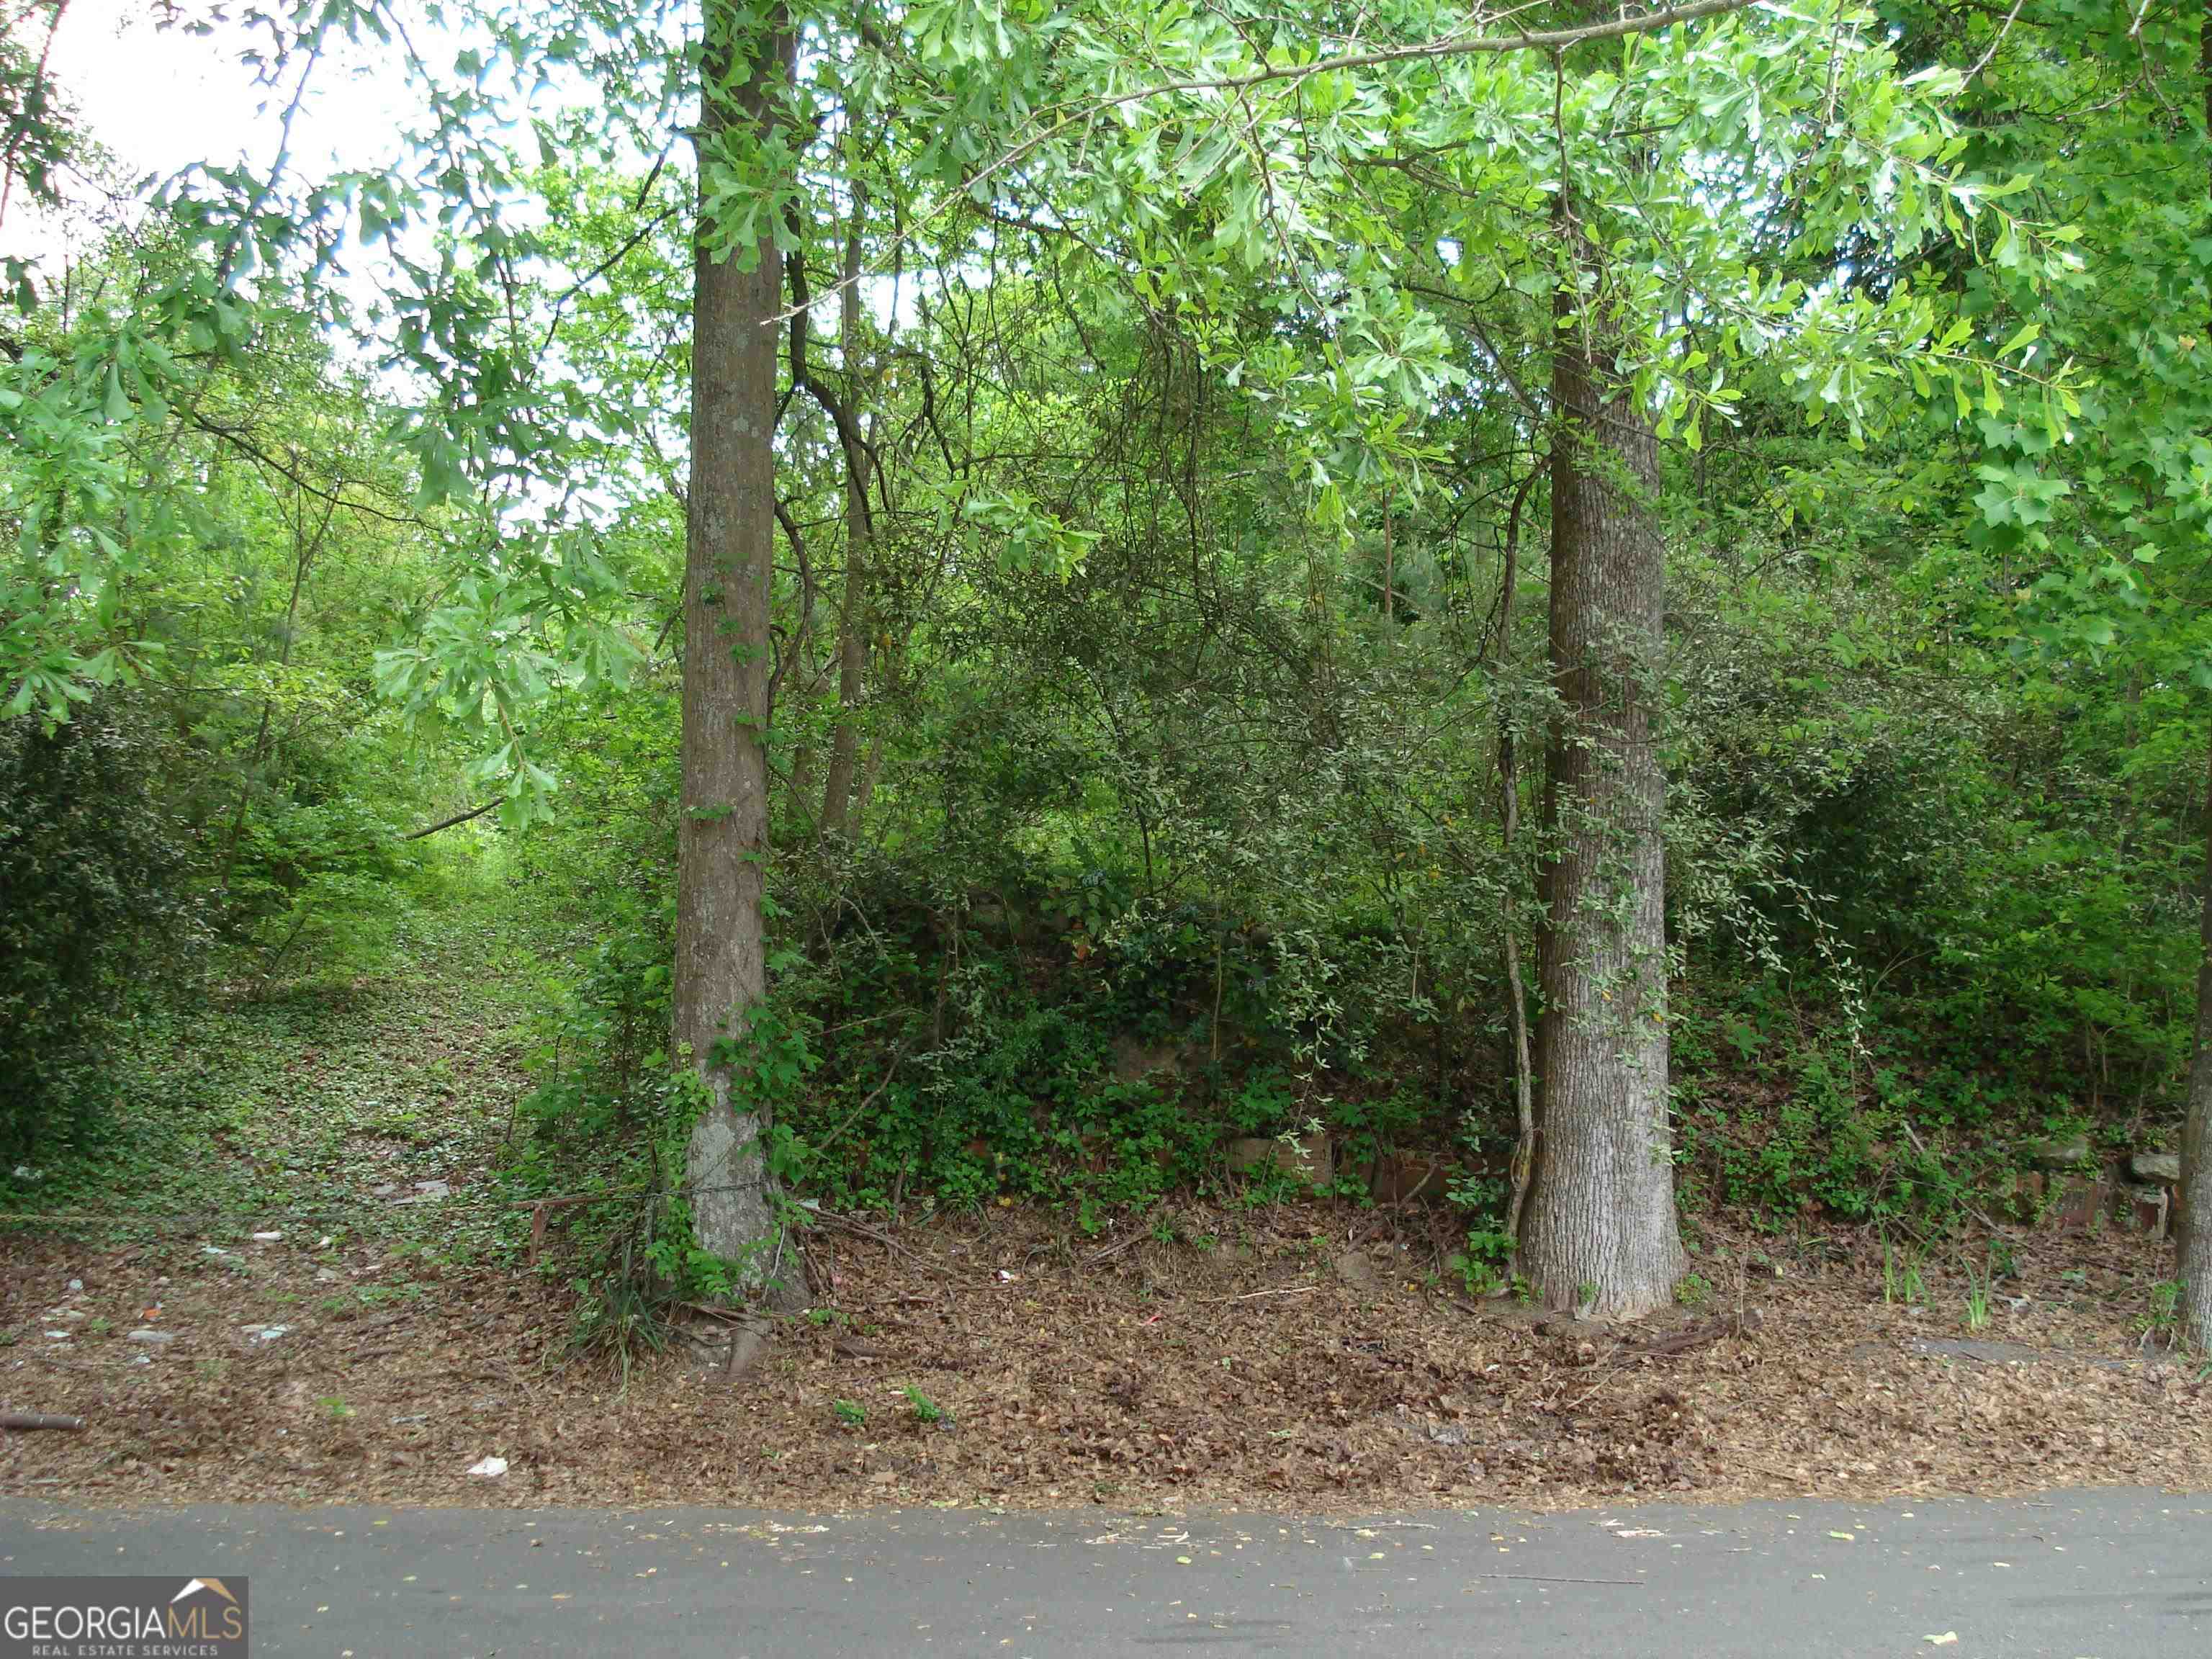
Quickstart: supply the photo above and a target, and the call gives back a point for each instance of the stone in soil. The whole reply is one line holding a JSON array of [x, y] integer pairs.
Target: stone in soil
[[1357, 1273], [2071, 1154], [2156, 1169]]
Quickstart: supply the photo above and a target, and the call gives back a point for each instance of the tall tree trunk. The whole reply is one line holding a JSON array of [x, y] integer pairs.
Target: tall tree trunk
[[2193, 1225], [1600, 1232], [851, 613], [2193, 1221], [722, 838]]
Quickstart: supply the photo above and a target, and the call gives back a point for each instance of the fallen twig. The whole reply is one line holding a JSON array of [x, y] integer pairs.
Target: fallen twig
[[1696, 1337], [875, 1233], [1541, 1578], [567, 1199], [1286, 1290], [40, 1420], [1591, 1392], [1117, 1247]]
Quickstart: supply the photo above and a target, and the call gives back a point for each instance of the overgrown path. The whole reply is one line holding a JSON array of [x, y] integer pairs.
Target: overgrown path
[[372, 1109], [2101, 1574]]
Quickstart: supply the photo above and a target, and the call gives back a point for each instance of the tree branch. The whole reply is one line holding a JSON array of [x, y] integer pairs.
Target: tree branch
[[859, 456], [459, 817], [245, 446]]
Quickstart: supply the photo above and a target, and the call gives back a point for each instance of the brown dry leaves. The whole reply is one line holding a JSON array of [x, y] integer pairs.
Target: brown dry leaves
[[1257, 1373]]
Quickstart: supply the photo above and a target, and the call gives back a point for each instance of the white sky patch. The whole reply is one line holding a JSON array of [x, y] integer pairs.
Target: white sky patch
[[159, 101], [159, 97]]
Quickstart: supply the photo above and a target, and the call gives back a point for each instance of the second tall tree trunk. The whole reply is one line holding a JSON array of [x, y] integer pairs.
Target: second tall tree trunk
[[722, 839], [1599, 1233], [2193, 1222]]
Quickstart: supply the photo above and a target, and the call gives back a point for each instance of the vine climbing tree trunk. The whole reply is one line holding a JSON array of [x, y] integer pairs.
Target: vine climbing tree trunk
[[1599, 1233], [729, 544], [1509, 836], [837, 790]]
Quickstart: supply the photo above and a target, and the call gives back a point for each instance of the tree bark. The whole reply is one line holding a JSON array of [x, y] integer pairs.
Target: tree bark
[[2193, 1217], [1599, 1232], [2193, 1222], [852, 614], [866, 790], [722, 837]]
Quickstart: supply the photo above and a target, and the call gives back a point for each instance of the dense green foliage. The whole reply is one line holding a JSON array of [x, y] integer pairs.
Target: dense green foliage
[[95, 907], [1204, 591]]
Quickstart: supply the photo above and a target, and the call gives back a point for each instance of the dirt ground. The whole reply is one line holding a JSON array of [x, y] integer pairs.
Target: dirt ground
[[1296, 1355]]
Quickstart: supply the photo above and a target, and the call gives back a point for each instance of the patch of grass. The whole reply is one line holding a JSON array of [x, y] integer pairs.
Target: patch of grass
[[1901, 1281], [1977, 1299], [2161, 1320], [851, 1413], [619, 1322]]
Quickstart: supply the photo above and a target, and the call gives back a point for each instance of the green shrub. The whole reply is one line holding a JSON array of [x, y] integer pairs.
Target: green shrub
[[97, 913]]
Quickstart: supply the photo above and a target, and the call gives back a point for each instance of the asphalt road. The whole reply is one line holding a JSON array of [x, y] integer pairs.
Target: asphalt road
[[2088, 1574]]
